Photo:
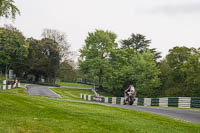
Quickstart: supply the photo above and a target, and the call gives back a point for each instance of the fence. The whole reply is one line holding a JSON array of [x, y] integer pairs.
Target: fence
[[180, 102], [6, 87]]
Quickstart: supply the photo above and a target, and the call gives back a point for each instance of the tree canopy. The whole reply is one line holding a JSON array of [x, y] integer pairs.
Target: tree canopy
[[113, 68], [180, 72], [13, 48], [102, 61], [97, 48], [140, 44], [8, 9]]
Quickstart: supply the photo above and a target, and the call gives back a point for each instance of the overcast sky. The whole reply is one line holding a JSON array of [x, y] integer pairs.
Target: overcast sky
[[167, 23]]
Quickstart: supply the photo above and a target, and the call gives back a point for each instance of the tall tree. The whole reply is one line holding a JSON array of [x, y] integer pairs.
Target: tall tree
[[8, 9], [13, 49], [61, 39], [43, 59], [67, 72], [131, 67], [51, 60], [97, 48], [136, 41], [140, 44], [34, 64], [180, 72]]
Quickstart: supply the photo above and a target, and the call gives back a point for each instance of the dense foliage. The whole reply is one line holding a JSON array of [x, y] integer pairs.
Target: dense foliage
[[93, 61], [13, 49], [8, 9], [181, 72], [33, 59], [102, 61], [113, 68]]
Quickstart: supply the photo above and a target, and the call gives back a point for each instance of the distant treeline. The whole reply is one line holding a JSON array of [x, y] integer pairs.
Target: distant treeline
[[110, 65], [32, 59]]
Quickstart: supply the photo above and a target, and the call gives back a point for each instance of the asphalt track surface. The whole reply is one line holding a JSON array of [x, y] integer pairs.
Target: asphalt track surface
[[181, 114], [41, 91]]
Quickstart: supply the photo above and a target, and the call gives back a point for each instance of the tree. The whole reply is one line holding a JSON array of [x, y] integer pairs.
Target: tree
[[43, 59], [140, 44], [92, 61], [34, 64], [131, 67], [67, 72], [157, 54], [13, 49], [8, 9], [51, 60], [60, 39], [116, 68], [180, 72], [137, 42]]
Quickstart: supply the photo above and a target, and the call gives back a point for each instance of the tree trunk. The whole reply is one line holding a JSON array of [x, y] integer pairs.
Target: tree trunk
[[100, 79]]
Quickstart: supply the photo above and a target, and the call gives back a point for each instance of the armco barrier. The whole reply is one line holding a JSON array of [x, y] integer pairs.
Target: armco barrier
[[140, 101], [154, 101], [180, 102], [195, 102], [173, 101]]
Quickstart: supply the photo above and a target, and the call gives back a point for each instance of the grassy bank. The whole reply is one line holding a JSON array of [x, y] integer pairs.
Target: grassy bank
[[75, 85], [22, 113], [74, 94]]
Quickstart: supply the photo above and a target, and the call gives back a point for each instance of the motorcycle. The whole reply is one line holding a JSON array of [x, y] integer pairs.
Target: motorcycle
[[130, 99]]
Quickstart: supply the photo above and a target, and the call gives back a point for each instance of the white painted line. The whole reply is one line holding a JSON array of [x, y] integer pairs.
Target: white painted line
[[54, 92]]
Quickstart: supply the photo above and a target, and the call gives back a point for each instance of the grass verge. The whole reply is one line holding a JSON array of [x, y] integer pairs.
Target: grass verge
[[75, 85], [73, 94], [22, 113]]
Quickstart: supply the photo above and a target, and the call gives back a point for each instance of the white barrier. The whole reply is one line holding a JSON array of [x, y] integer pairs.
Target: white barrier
[[106, 99], [89, 97], [163, 102], [180, 102], [147, 101], [4, 87], [114, 100], [184, 102], [122, 101]]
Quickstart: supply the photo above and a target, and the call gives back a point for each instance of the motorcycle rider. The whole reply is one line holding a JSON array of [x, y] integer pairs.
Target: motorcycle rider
[[130, 89]]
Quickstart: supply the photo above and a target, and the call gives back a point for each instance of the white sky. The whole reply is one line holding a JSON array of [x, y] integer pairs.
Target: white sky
[[167, 23]]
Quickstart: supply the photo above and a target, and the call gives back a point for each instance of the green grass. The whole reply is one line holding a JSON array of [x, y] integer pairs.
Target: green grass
[[24, 84], [75, 85], [2, 78], [84, 86], [74, 94], [1, 84], [22, 113], [105, 94]]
